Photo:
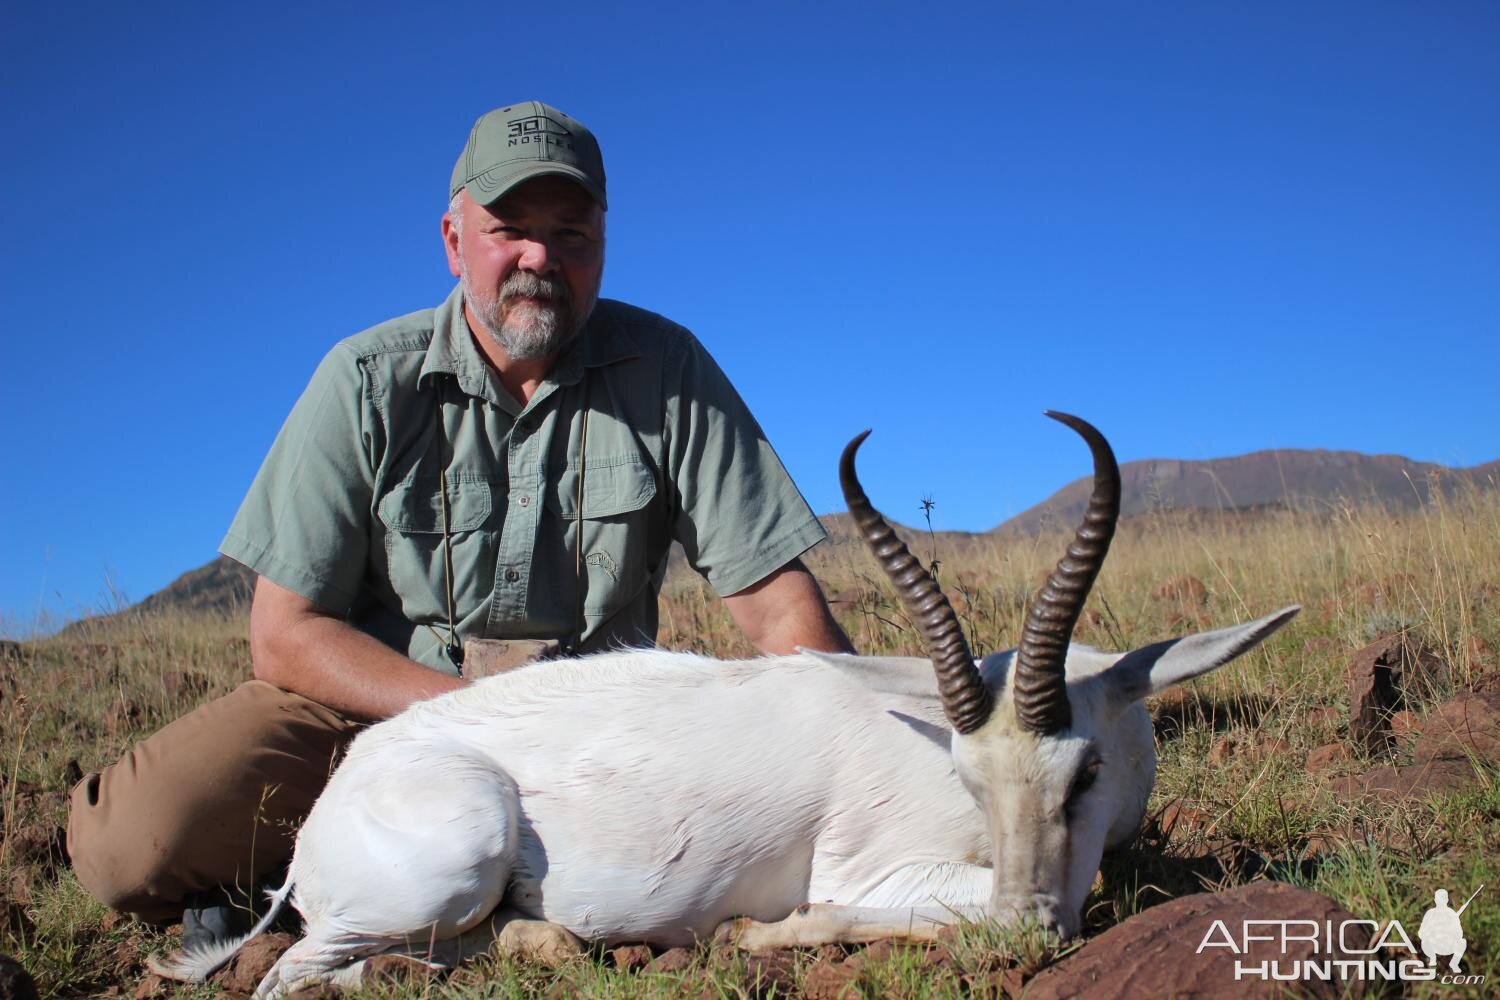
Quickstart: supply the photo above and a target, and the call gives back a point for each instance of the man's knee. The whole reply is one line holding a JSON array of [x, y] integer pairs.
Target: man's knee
[[213, 798]]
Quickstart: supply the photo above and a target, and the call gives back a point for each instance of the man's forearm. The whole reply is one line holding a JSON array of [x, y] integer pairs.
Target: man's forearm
[[304, 649]]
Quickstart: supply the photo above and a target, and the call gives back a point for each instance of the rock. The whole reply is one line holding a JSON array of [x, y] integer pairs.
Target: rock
[[40, 844], [1154, 954], [252, 963], [1324, 715], [184, 685], [672, 960], [1186, 590], [1270, 747], [15, 982], [1465, 727], [1221, 750], [826, 981], [1180, 817], [1182, 621], [1405, 725], [631, 957], [1419, 780], [150, 987], [1414, 781], [1390, 673], [396, 969], [772, 973], [1329, 757]]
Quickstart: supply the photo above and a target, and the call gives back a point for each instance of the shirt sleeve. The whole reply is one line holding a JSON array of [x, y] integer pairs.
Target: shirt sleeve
[[740, 516], [305, 524]]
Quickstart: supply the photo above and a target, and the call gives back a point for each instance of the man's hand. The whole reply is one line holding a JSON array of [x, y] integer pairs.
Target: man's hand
[[786, 610], [304, 648]]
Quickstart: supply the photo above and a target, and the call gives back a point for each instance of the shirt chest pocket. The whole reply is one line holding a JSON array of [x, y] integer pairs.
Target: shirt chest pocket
[[615, 517], [413, 516]]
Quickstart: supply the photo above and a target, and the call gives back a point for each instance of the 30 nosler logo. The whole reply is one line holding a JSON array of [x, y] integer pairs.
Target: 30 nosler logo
[[1337, 953], [537, 129]]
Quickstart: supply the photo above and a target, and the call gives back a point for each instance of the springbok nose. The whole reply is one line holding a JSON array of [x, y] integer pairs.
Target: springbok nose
[[1043, 910]]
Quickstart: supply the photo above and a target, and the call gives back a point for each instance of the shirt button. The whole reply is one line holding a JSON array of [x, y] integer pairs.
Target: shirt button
[[511, 576], [524, 501]]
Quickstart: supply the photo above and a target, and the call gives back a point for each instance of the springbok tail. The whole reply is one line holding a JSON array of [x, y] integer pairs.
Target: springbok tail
[[194, 965]]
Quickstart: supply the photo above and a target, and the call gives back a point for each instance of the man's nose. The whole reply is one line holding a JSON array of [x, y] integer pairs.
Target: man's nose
[[538, 257]]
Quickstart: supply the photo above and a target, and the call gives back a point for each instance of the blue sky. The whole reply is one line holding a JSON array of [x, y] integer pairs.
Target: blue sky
[[1208, 227]]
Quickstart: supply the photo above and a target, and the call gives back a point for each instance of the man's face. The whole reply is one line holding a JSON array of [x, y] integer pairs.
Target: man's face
[[530, 264]]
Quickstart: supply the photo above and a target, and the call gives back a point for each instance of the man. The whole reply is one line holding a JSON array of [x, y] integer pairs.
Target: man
[[513, 464]]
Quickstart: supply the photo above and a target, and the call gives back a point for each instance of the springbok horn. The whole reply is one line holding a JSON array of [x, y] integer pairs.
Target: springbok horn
[[966, 701], [1041, 684]]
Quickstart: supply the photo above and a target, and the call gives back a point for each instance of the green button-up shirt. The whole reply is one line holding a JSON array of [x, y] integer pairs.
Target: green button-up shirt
[[348, 508]]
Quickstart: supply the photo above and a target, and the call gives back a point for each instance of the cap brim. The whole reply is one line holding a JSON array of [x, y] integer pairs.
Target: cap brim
[[489, 194]]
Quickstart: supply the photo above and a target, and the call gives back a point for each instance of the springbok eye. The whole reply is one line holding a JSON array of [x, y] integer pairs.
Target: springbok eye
[[1083, 781]]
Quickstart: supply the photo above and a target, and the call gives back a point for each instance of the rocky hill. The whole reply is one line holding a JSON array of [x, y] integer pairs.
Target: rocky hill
[[1315, 480]]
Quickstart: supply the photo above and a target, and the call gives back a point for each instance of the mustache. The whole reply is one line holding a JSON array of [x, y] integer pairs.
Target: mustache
[[535, 286]]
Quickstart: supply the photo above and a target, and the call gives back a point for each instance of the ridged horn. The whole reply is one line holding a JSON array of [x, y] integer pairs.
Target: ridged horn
[[1041, 684], [966, 701]]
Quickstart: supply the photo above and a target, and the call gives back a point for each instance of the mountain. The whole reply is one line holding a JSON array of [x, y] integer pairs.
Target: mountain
[[1319, 480]]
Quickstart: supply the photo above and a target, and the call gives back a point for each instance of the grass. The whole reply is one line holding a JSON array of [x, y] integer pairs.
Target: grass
[[1232, 746]]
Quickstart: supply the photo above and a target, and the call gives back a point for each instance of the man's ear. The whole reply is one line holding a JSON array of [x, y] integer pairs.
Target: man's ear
[[1153, 668], [450, 243]]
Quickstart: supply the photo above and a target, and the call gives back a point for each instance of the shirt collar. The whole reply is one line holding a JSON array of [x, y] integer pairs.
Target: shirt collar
[[452, 351]]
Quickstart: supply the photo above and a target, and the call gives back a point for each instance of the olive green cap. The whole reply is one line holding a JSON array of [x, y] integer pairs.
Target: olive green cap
[[521, 141]]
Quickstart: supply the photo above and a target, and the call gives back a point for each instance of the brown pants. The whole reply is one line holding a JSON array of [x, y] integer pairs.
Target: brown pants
[[215, 798]]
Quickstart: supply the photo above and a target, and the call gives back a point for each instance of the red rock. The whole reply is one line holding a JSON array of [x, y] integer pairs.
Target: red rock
[[826, 981], [1414, 781], [1464, 727], [1324, 715], [1153, 953], [1388, 674], [631, 957], [1221, 750], [1180, 621], [150, 987], [1186, 589], [1181, 816], [772, 972], [40, 844], [672, 960], [1271, 747], [252, 963], [1405, 725], [1329, 757]]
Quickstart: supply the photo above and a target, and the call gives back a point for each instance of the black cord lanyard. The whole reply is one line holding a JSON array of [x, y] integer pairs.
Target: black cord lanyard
[[452, 647]]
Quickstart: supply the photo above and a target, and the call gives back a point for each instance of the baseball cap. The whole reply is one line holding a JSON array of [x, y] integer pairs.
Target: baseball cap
[[521, 141]]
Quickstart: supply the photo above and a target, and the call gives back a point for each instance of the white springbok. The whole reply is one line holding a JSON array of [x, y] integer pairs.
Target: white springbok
[[657, 797]]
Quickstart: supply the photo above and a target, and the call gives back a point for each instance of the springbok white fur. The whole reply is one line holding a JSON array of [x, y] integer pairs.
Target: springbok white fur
[[660, 797], [652, 797]]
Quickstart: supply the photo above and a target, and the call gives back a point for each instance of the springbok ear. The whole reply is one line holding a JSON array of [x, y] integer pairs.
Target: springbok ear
[[1153, 668]]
